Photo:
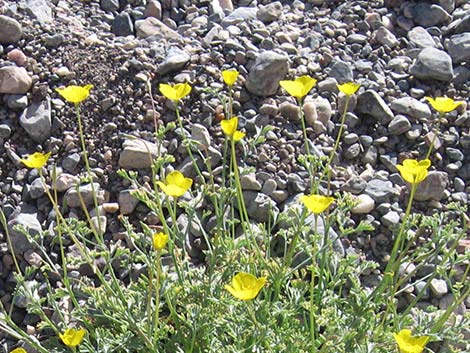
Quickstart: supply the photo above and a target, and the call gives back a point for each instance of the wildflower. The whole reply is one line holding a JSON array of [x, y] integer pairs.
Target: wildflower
[[245, 286], [230, 76], [443, 104], [72, 337], [19, 350], [413, 171], [36, 160], [299, 87], [229, 127], [159, 241], [410, 344], [317, 203], [349, 88], [175, 184], [176, 92], [75, 94]]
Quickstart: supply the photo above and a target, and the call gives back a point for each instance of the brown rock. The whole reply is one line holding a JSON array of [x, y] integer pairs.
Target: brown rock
[[14, 80], [152, 27]]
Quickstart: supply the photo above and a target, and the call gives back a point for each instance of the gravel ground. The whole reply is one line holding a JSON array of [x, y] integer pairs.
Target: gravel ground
[[399, 51]]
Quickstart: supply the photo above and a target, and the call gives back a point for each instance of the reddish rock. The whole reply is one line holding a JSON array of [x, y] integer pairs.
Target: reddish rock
[[14, 80], [17, 56]]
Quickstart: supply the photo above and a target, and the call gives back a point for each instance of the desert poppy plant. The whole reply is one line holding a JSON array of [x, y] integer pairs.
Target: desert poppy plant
[[19, 350], [72, 337], [410, 344], [175, 184], [349, 88], [229, 127], [299, 87], [75, 94], [317, 203], [443, 104], [230, 76], [176, 92], [159, 240], [36, 160], [413, 171], [245, 286]]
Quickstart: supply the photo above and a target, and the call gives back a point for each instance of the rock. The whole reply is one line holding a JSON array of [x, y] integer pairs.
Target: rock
[[323, 109], [270, 12], [249, 182], [33, 258], [421, 38], [462, 25], [438, 287], [379, 190], [433, 63], [72, 198], [365, 204], [341, 71], [54, 40], [458, 47], [433, 187], [65, 181], [31, 223], [99, 223], [352, 151], [127, 202], [36, 120], [137, 154], [175, 60], [109, 5], [429, 15], [370, 103], [37, 189], [14, 80], [239, 15], [354, 185], [310, 113], [264, 76], [154, 29], [390, 219], [200, 134], [399, 125], [290, 111], [259, 206], [16, 101], [17, 56], [122, 25], [39, 10], [385, 37], [70, 162], [226, 5], [153, 9], [11, 30], [411, 107]]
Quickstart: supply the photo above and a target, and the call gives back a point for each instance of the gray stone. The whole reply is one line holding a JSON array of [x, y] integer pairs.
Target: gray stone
[[72, 198], [438, 287], [399, 125], [341, 71], [239, 15], [153, 29], [5, 131], [370, 103], [36, 120], [323, 109], [31, 224], [462, 25], [54, 40], [354, 185], [37, 189], [433, 187], [356, 38], [433, 63], [429, 15], [380, 190], [65, 181], [458, 47], [39, 10], [200, 134], [70, 162], [11, 30], [175, 60], [352, 151], [421, 38], [290, 111], [16, 101], [249, 182], [385, 37], [109, 5], [137, 154], [390, 219], [411, 107], [455, 154], [153, 9], [264, 76], [365, 204], [14, 80], [127, 202], [270, 12], [260, 207], [122, 25]]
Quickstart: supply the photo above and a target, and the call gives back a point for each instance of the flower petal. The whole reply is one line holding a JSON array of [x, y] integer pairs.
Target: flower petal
[[230, 76]]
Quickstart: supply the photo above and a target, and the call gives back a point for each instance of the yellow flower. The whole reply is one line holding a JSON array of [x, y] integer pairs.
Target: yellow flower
[[159, 241], [175, 184], [245, 286], [72, 337], [229, 127], [176, 92], [317, 203], [36, 160], [443, 104], [410, 344], [230, 76], [299, 87], [413, 171], [75, 94], [349, 88], [19, 350]]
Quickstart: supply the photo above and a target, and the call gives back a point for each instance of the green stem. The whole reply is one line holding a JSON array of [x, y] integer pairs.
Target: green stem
[[434, 136]]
